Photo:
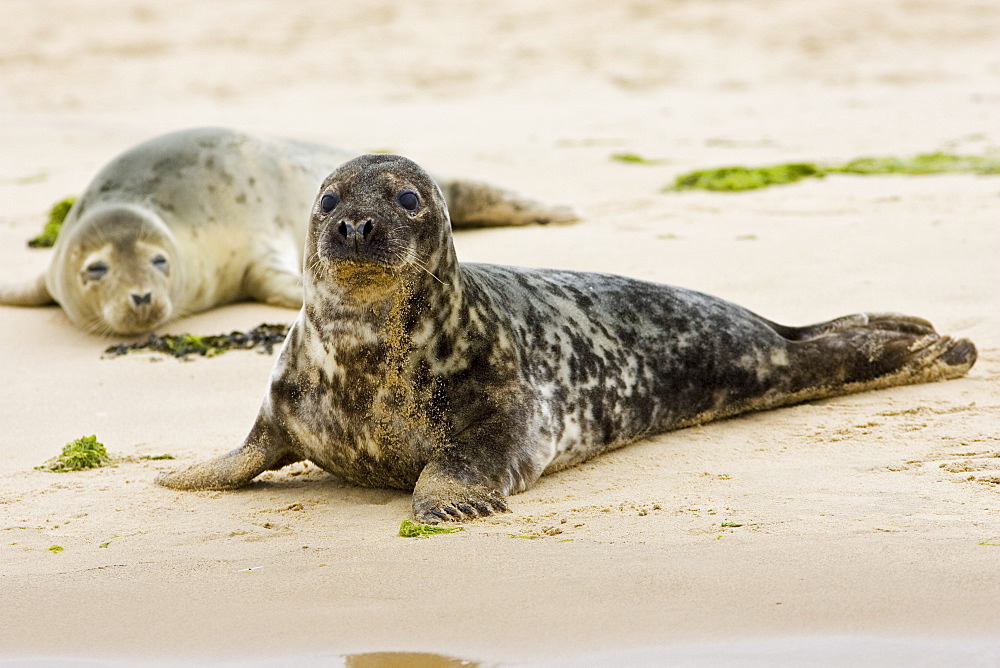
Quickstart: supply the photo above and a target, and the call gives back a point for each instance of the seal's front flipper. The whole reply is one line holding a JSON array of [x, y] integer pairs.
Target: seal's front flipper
[[440, 496], [275, 281], [28, 293], [477, 204], [259, 453]]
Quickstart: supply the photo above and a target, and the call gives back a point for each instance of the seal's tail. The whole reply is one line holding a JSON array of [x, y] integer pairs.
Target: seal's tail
[[872, 350], [29, 293]]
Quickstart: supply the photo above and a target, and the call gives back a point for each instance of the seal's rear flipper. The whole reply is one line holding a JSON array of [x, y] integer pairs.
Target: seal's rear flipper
[[893, 322], [872, 351], [478, 204], [928, 358], [856, 353], [29, 293], [890, 344]]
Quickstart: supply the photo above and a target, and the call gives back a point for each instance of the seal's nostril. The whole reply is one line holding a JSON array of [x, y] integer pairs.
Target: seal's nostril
[[344, 229], [366, 228], [142, 299]]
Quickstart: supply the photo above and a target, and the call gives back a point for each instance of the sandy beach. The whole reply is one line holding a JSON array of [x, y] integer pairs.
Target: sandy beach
[[869, 522]]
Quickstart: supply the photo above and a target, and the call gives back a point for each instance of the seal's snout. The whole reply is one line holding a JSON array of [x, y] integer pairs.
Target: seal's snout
[[355, 236], [139, 300], [357, 233]]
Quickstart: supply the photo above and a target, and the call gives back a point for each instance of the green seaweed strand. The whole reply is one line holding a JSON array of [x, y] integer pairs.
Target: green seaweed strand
[[928, 163], [410, 529], [733, 179], [736, 179], [51, 230], [634, 158]]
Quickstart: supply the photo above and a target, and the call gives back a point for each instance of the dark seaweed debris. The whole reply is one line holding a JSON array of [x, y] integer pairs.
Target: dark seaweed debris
[[180, 346]]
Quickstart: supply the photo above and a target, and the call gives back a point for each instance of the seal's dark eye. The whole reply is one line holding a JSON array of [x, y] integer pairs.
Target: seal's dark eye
[[159, 262], [96, 270], [328, 203], [408, 200]]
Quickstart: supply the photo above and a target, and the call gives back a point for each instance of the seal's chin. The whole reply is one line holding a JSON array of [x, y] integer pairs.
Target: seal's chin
[[363, 273], [356, 280], [129, 320], [364, 280]]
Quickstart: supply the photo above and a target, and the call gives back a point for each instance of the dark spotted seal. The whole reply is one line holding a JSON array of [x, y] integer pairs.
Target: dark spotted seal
[[466, 382], [198, 218]]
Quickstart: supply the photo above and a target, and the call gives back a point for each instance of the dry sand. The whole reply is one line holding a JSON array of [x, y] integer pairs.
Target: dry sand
[[875, 516]]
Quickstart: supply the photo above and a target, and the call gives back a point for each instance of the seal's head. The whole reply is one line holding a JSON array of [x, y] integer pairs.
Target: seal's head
[[378, 221], [113, 272]]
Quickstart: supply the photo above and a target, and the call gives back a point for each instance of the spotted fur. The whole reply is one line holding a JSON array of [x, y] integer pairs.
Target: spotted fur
[[467, 382]]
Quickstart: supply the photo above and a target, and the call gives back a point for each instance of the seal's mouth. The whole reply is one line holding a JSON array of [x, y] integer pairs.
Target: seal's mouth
[[137, 316], [360, 249], [362, 280]]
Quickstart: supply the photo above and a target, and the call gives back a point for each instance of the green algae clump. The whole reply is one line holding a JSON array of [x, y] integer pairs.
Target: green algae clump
[[83, 453], [928, 163], [735, 179], [51, 230], [410, 529]]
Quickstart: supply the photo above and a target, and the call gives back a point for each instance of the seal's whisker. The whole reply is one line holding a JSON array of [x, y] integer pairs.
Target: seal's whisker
[[98, 327], [409, 257], [314, 263]]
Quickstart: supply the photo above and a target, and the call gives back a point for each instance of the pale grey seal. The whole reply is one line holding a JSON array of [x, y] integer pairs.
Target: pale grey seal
[[202, 217], [466, 382]]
